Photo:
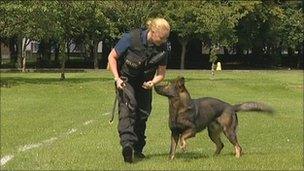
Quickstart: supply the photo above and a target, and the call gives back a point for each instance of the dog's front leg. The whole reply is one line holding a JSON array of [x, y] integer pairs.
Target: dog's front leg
[[185, 135], [174, 142]]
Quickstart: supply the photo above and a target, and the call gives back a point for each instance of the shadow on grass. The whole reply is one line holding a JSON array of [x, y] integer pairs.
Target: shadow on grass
[[202, 79], [181, 155], [188, 156], [8, 82], [209, 79]]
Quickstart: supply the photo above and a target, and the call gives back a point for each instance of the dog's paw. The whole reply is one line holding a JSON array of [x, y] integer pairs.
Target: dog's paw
[[238, 151], [171, 157], [183, 146], [238, 155], [184, 149]]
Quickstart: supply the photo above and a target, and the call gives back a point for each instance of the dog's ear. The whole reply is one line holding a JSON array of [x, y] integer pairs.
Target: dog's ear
[[181, 82], [182, 79]]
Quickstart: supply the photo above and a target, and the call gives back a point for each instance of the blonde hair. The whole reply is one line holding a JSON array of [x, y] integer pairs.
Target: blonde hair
[[159, 25]]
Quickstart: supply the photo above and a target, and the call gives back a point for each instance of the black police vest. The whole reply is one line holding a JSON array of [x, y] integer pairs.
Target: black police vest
[[140, 62]]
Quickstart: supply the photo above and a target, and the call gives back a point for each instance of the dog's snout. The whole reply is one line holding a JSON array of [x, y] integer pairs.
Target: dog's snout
[[164, 89], [158, 88]]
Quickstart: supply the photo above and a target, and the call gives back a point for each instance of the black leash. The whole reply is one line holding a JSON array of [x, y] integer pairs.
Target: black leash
[[125, 79], [114, 107]]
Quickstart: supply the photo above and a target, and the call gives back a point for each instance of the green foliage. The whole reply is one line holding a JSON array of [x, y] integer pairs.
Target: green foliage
[[209, 20], [264, 27], [271, 25], [291, 28], [183, 17], [218, 21], [12, 22], [126, 15]]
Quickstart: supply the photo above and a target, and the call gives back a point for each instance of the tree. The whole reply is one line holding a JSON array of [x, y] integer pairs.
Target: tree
[[96, 27], [28, 20], [258, 31], [13, 23], [265, 27], [291, 31], [126, 15], [183, 20], [217, 22]]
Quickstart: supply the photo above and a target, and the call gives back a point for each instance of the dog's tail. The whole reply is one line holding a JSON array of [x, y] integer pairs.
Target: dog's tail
[[253, 106]]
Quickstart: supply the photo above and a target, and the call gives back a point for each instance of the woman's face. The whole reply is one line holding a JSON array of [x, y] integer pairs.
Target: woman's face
[[158, 38]]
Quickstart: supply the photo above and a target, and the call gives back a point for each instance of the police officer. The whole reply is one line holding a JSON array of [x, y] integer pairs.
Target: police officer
[[139, 60]]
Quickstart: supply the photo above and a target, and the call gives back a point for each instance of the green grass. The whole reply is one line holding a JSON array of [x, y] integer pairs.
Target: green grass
[[37, 106]]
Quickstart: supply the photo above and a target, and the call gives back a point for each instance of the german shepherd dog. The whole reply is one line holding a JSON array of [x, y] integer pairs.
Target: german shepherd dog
[[189, 116]]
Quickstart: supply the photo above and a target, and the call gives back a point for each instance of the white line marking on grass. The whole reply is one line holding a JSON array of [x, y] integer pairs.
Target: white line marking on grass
[[88, 122], [71, 131], [50, 140], [5, 159], [29, 146], [106, 114]]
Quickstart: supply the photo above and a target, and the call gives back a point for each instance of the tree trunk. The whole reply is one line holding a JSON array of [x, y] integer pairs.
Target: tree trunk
[[57, 49], [256, 57], [1, 51], [44, 52], [212, 69], [95, 57], [23, 54], [13, 50], [83, 50], [68, 50], [63, 59], [290, 56], [300, 56], [25, 42], [41, 49], [226, 51], [24, 62], [19, 53], [184, 43], [91, 51], [87, 48], [48, 50], [213, 57], [238, 50]]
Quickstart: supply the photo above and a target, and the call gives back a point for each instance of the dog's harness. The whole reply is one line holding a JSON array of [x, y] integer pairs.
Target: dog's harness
[[196, 109], [194, 112]]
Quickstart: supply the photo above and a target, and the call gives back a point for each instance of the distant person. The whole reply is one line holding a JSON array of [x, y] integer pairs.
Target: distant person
[[139, 60]]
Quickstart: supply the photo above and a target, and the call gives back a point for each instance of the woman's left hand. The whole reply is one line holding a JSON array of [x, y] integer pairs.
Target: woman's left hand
[[148, 85]]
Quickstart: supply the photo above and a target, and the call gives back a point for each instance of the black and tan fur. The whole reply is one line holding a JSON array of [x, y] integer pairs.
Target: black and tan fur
[[189, 116]]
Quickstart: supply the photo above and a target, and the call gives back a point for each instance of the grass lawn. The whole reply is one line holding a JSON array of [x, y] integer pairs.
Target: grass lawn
[[63, 125]]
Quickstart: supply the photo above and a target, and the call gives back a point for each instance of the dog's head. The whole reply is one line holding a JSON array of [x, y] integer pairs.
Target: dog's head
[[172, 88]]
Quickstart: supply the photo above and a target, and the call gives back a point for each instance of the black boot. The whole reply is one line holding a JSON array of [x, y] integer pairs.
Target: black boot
[[127, 153], [139, 155]]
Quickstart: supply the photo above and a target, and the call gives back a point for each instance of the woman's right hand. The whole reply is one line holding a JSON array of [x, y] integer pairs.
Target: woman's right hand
[[119, 83]]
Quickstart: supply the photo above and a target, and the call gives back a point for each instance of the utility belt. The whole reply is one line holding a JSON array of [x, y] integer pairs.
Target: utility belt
[[135, 66]]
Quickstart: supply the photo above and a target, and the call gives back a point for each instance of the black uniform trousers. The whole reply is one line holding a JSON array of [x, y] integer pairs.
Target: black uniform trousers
[[132, 123]]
